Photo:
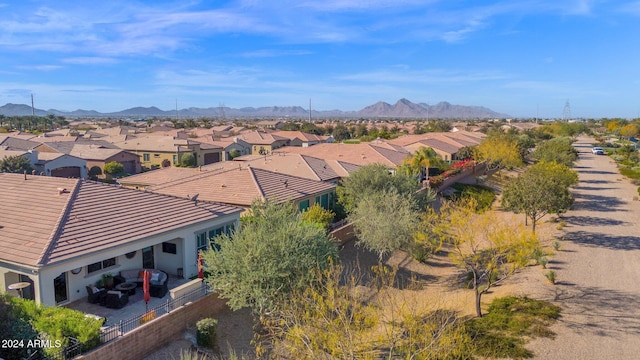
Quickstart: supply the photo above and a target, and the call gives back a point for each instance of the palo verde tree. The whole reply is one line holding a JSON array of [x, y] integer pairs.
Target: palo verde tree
[[488, 250], [500, 151], [274, 254], [15, 164], [540, 190]]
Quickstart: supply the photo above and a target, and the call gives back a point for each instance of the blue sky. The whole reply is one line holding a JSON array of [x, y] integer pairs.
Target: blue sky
[[517, 57]]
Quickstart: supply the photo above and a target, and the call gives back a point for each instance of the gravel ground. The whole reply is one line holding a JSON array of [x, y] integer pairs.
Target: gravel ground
[[598, 268]]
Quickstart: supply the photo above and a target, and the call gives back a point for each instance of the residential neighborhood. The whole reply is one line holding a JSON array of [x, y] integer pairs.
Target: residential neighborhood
[[86, 218]]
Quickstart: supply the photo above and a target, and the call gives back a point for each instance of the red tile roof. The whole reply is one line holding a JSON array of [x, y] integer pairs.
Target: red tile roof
[[44, 219]]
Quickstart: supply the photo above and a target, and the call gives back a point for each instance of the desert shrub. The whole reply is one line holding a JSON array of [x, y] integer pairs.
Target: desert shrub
[[419, 252], [543, 261], [629, 172], [501, 333], [14, 324], [482, 195], [318, 215], [206, 332], [551, 276], [94, 172], [188, 160], [59, 323]]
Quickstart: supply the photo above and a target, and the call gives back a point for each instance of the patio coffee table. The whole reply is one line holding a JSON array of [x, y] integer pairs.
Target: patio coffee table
[[127, 287]]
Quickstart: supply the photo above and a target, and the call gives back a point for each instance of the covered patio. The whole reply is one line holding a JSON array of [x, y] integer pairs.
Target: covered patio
[[134, 307]]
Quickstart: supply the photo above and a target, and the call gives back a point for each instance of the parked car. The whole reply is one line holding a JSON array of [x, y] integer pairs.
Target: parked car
[[597, 150]]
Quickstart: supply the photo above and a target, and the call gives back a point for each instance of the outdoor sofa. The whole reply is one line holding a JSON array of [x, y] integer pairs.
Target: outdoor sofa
[[158, 283]]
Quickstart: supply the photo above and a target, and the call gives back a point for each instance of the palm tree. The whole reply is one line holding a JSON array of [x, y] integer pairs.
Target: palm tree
[[418, 164]]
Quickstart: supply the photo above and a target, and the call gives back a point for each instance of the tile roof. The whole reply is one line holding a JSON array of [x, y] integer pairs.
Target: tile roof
[[171, 174], [300, 135], [242, 185], [356, 154], [154, 143], [4, 152], [45, 220], [92, 152], [260, 138], [12, 143], [305, 166]]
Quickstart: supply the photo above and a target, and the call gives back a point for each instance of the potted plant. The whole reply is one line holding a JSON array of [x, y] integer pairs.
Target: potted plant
[[108, 281], [100, 284]]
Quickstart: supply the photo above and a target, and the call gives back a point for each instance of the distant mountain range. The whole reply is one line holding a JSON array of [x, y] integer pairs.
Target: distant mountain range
[[403, 108]]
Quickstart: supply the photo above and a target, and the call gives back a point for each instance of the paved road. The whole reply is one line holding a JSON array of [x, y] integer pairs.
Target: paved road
[[599, 268]]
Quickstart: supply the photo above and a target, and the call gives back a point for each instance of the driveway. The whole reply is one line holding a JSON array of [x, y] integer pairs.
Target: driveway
[[598, 268]]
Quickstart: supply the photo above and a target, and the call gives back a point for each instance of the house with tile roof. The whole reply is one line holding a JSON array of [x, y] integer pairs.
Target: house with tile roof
[[445, 144], [299, 138], [375, 152], [164, 151], [60, 165], [239, 184], [95, 153], [261, 142], [61, 235]]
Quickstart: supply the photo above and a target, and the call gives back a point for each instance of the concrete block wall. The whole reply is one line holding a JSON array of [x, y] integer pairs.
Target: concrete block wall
[[157, 333]]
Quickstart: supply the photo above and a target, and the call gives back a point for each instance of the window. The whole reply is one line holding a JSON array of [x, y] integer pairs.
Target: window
[[146, 157], [304, 205], [156, 155], [91, 268], [169, 248], [325, 201], [201, 242], [175, 159]]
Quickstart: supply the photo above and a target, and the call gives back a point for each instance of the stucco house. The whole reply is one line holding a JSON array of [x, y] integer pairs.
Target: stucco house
[[236, 183], [262, 143], [163, 151], [299, 138], [61, 235]]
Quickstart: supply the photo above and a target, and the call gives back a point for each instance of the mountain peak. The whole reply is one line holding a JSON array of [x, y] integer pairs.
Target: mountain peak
[[403, 108]]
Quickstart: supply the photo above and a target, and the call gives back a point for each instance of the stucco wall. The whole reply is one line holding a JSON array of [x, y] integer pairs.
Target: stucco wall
[[157, 333]]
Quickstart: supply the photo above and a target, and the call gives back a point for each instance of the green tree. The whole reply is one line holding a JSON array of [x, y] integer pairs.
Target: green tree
[[310, 128], [15, 164], [94, 172], [385, 220], [467, 152], [234, 153], [274, 254], [340, 132], [558, 149], [375, 178], [418, 163], [316, 214], [489, 250], [542, 189], [113, 168], [188, 160]]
